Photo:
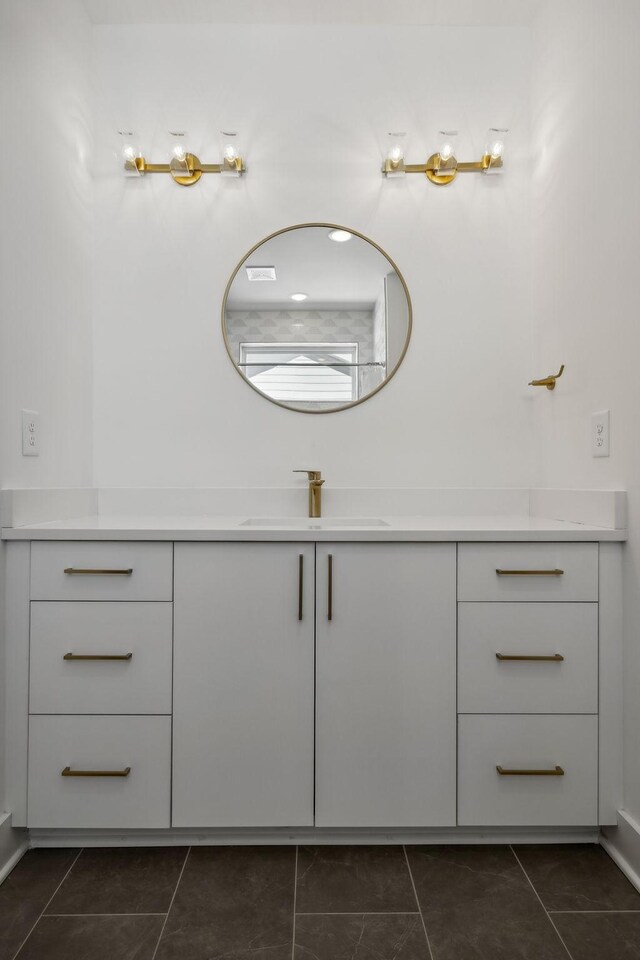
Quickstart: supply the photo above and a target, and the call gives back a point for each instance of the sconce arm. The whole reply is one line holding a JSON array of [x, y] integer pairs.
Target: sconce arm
[[189, 170]]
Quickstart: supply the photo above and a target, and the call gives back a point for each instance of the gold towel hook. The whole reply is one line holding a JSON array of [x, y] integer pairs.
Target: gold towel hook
[[548, 382]]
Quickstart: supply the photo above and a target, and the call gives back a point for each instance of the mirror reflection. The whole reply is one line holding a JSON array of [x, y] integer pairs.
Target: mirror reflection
[[317, 318]]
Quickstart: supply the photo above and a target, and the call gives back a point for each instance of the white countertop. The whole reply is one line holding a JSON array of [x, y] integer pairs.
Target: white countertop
[[419, 528]]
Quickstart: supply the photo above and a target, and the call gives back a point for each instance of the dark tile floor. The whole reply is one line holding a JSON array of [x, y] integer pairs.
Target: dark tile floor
[[320, 903]]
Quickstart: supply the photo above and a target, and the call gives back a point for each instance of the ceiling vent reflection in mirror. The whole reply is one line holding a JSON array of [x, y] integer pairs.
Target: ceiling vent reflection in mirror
[[261, 273]]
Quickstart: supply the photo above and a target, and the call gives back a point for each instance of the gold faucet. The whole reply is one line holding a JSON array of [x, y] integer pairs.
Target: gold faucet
[[315, 491]]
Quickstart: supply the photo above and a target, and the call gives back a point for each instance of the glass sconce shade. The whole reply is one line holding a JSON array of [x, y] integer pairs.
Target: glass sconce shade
[[494, 148]]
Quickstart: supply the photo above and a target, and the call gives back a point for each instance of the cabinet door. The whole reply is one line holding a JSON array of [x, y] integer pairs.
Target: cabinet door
[[385, 702], [243, 685]]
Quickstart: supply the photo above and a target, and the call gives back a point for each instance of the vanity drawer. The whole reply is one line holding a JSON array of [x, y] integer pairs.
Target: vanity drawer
[[531, 743], [141, 745], [528, 571], [62, 633], [72, 570], [489, 634]]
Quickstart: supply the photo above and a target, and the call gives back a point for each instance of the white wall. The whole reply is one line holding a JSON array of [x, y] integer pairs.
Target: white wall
[[314, 104], [45, 265], [586, 203], [45, 204]]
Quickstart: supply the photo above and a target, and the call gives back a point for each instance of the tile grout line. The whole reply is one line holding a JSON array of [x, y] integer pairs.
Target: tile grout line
[[361, 913], [530, 882], [106, 914], [75, 860], [171, 903], [295, 897], [415, 893], [592, 911]]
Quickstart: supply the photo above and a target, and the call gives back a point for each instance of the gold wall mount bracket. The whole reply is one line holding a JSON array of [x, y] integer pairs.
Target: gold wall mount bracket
[[440, 171], [188, 171]]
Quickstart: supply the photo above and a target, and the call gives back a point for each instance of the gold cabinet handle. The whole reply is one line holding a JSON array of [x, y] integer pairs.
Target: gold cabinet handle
[[98, 656], [89, 572], [546, 658], [554, 772], [300, 585], [330, 587], [530, 573], [68, 772]]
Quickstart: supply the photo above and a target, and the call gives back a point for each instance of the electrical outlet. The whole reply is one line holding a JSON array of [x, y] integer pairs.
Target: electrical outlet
[[30, 433], [600, 423]]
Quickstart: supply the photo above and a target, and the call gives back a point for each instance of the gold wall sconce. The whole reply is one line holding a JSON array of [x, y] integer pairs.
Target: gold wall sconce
[[548, 382], [185, 168], [443, 167]]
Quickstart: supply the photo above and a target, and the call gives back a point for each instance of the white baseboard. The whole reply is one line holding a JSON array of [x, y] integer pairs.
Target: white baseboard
[[13, 845], [195, 837], [622, 843]]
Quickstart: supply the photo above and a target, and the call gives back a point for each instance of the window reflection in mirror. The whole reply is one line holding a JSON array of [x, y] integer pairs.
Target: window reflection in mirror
[[303, 372], [315, 322]]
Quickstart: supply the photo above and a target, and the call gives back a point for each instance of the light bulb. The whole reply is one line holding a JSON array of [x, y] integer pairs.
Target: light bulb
[[394, 163], [230, 153], [128, 152], [495, 143], [299, 296], [447, 143], [340, 236], [179, 152]]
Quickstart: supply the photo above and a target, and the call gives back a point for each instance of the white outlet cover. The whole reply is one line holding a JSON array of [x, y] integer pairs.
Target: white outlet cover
[[30, 433], [600, 433]]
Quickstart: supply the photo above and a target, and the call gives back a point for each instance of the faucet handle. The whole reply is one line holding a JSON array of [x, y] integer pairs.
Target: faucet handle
[[315, 476]]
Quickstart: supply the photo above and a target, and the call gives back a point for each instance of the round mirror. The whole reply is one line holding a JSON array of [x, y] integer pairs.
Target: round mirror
[[316, 318]]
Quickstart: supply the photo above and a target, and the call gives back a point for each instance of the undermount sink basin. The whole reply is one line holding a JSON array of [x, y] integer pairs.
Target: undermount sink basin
[[313, 523]]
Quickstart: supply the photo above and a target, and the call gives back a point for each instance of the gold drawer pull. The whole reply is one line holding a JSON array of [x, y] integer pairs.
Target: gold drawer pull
[[68, 772], [555, 772], [98, 656], [88, 572], [300, 586], [547, 658], [530, 573]]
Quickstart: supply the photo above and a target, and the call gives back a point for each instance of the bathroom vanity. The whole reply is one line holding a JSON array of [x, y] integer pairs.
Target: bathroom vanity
[[419, 674]]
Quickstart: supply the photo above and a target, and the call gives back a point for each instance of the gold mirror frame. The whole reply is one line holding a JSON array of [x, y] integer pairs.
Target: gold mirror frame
[[329, 226]]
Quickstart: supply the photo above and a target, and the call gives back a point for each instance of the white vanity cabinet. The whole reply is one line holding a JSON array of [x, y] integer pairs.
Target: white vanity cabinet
[[344, 685], [99, 724], [385, 685], [243, 684], [528, 684]]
